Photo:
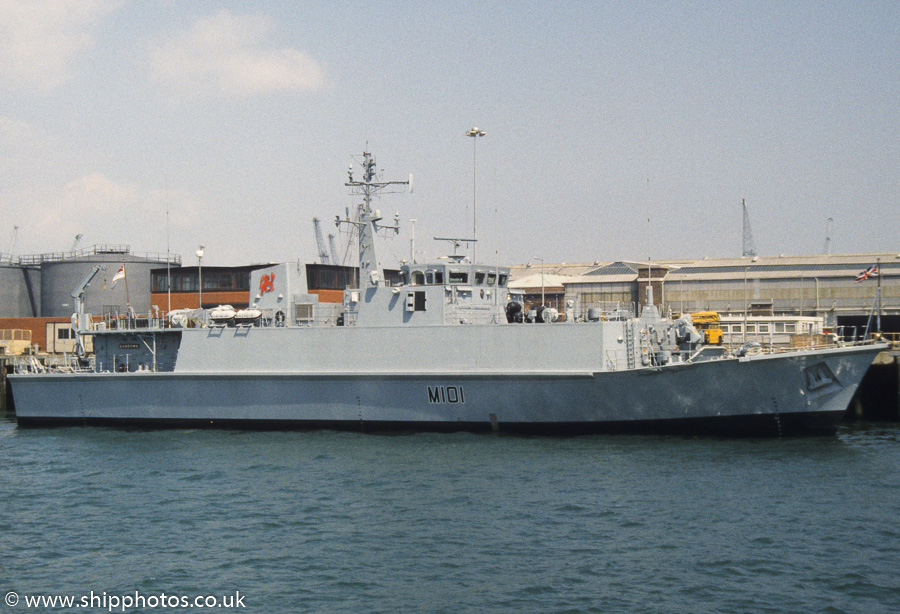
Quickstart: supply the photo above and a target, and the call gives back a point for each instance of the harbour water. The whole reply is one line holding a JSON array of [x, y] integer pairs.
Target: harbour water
[[344, 522]]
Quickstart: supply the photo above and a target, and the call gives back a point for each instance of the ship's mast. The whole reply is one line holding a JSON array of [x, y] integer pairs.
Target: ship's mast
[[370, 274]]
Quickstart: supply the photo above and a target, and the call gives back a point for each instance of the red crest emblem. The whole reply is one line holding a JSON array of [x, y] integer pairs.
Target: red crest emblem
[[267, 283]]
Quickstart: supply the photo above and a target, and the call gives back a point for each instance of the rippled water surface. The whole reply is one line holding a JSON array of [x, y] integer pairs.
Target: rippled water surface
[[342, 522]]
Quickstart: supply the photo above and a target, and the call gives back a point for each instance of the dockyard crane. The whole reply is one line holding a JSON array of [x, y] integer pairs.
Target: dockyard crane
[[749, 243], [323, 253], [12, 241], [335, 259]]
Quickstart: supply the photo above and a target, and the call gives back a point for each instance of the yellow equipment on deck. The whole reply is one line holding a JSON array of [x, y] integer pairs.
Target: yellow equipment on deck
[[707, 321]]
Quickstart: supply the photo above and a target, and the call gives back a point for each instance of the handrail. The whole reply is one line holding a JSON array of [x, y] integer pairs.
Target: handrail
[[96, 250], [890, 337], [817, 346]]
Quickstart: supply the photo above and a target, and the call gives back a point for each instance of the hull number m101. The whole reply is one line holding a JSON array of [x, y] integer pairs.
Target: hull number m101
[[446, 394]]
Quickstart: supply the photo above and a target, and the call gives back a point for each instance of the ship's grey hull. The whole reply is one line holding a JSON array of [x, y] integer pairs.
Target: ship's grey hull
[[797, 393]]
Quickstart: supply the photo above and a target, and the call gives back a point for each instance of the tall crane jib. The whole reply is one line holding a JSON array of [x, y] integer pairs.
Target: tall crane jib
[[335, 259], [749, 244], [320, 243]]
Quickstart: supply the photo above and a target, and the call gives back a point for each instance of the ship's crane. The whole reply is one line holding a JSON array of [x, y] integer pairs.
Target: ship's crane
[[80, 320], [320, 242]]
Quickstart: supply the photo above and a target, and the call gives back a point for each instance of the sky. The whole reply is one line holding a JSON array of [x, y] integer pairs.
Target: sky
[[613, 130]]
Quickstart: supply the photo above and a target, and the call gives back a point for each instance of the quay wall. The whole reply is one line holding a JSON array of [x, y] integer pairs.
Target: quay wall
[[4, 387], [878, 397]]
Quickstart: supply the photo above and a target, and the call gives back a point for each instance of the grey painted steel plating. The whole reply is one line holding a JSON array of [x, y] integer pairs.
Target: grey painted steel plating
[[437, 353]]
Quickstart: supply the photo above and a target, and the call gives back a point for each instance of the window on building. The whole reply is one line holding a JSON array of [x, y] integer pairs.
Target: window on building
[[751, 328], [779, 327], [63, 333], [160, 283], [737, 328], [763, 328], [790, 328]]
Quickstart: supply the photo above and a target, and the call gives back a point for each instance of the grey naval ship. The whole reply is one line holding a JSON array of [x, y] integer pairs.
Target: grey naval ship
[[445, 349]]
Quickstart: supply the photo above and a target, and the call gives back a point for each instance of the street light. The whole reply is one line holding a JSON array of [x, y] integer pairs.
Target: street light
[[542, 279], [474, 133], [199, 253]]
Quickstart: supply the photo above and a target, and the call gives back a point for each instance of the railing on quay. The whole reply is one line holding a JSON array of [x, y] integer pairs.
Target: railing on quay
[[892, 338], [605, 310], [96, 250]]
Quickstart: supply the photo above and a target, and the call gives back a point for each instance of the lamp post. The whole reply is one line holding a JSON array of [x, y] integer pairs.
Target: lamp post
[[542, 279], [199, 253], [474, 133]]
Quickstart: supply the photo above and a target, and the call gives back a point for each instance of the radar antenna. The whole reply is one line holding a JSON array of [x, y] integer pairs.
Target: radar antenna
[[457, 242], [366, 222]]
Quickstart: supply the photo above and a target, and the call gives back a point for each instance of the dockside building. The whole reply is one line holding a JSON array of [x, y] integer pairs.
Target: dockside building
[[818, 285]]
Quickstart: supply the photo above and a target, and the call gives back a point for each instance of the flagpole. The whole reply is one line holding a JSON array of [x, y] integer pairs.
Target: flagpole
[[878, 292], [168, 258], [125, 276]]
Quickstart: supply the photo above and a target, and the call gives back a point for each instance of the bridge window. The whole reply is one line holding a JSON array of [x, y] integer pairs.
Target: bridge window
[[459, 277], [479, 278], [492, 277], [438, 277], [503, 279], [418, 278], [429, 277]]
